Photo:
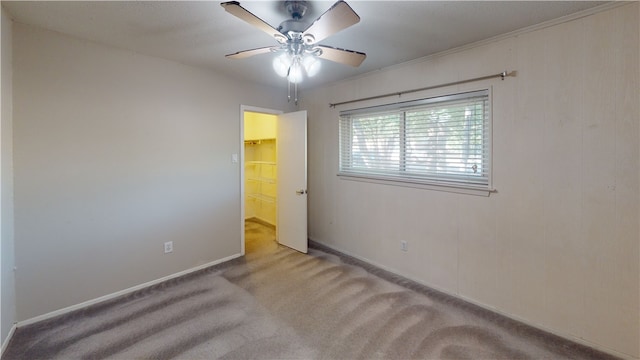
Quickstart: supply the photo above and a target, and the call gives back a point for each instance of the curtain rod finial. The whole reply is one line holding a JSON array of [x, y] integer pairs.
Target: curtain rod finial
[[507, 73]]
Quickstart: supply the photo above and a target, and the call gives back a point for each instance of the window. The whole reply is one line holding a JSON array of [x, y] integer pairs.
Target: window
[[437, 141]]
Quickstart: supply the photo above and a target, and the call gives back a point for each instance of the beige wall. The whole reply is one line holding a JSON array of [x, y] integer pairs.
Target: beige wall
[[558, 244], [7, 261], [116, 153]]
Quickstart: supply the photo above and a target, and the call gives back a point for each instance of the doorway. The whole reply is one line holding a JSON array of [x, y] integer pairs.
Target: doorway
[[273, 175], [260, 181]]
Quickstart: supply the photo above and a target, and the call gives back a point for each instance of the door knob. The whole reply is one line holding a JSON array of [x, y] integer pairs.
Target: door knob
[[301, 192]]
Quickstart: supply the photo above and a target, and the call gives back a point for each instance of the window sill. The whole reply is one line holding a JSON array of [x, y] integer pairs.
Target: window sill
[[452, 188]]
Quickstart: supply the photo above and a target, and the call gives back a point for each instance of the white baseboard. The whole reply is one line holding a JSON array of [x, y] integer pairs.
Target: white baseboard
[[121, 292], [485, 306], [6, 341]]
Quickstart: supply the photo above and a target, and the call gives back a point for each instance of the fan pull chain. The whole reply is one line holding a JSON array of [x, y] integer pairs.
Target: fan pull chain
[[295, 92]]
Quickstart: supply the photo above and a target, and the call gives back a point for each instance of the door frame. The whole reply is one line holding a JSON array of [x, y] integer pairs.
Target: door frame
[[243, 109]]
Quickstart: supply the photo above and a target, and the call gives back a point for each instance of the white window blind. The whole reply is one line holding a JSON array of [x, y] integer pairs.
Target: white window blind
[[443, 140]]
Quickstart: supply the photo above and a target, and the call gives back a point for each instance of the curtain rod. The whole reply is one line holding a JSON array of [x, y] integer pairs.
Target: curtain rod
[[400, 93]]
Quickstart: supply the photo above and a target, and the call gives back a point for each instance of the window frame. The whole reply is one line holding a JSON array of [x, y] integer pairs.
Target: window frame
[[425, 182]]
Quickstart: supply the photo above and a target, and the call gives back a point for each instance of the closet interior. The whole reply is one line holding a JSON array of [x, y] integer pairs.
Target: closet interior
[[260, 168]]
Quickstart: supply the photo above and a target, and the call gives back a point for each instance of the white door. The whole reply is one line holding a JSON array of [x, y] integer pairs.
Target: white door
[[291, 156]]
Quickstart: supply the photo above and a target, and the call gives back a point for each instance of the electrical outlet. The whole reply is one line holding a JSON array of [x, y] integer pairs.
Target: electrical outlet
[[168, 247], [404, 246]]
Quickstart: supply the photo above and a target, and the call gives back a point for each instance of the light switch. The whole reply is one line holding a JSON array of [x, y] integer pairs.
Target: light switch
[[234, 158]]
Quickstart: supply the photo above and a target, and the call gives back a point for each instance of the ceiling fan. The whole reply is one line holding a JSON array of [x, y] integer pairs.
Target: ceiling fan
[[298, 46]]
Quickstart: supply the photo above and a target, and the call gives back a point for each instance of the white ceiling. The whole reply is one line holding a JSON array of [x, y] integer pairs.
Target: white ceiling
[[200, 33]]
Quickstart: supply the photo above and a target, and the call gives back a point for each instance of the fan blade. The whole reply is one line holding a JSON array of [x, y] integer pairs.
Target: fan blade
[[343, 56], [248, 53], [339, 16], [234, 8]]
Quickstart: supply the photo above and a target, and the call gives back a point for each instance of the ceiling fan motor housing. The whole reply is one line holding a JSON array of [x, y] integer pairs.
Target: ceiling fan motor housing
[[297, 9], [292, 25]]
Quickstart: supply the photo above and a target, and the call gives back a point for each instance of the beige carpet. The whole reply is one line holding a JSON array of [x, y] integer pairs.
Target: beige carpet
[[279, 304]]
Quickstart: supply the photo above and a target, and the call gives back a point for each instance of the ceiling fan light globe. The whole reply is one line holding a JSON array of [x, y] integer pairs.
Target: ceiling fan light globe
[[311, 65], [295, 73], [281, 65]]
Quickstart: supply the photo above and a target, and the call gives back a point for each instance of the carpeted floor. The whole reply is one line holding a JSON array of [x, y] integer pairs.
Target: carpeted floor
[[276, 303]]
